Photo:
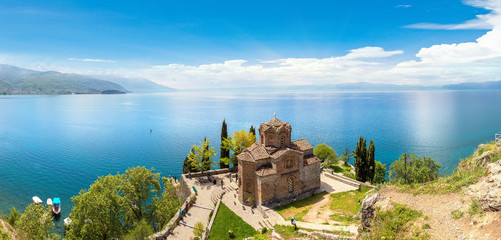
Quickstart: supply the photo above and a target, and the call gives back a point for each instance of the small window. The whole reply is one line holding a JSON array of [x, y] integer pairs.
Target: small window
[[291, 185], [282, 141], [289, 163]]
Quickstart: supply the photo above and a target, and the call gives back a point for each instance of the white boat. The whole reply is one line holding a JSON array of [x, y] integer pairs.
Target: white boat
[[49, 204], [36, 199], [67, 222]]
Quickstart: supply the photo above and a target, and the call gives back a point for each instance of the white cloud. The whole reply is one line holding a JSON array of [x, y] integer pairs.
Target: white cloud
[[482, 22], [469, 61], [404, 6], [90, 60]]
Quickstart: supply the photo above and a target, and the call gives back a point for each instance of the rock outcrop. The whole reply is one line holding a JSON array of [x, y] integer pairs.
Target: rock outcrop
[[367, 211], [488, 190]]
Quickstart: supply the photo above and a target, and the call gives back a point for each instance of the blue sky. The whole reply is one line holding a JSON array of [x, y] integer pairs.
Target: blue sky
[[185, 44]]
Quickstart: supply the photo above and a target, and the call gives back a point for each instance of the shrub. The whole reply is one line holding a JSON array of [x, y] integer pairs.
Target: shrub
[[426, 226], [198, 229], [264, 230], [231, 234], [13, 216], [475, 207], [392, 224], [456, 214]]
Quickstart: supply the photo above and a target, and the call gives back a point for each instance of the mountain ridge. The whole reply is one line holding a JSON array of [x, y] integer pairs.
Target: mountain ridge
[[16, 80]]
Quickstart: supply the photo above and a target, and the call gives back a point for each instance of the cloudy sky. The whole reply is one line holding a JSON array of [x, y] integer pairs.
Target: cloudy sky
[[231, 44]]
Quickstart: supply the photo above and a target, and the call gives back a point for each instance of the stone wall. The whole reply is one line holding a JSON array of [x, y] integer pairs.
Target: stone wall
[[247, 181], [311, 176]]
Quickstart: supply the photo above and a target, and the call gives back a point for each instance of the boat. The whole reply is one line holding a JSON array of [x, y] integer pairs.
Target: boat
[[67, 222], [36, 199], [56, 208], [49, 204]]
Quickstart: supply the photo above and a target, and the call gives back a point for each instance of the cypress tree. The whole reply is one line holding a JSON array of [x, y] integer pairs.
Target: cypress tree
[[372, 162], [186, 165], [252, 130], [225, 153], [361, 163]]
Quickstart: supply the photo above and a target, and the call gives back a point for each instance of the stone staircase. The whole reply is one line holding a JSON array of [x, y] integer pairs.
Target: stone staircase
[[217, 194], [265, 223]]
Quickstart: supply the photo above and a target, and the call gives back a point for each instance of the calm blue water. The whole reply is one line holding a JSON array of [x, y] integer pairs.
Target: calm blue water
[[53, 146]]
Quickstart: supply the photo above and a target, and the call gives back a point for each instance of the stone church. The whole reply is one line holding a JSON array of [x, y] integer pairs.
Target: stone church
[[276, 168]]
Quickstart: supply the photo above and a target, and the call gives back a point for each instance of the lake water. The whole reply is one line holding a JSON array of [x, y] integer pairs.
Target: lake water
[[54, 146]]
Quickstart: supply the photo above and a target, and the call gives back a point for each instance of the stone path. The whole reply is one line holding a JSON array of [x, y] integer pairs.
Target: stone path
[[199, 212]]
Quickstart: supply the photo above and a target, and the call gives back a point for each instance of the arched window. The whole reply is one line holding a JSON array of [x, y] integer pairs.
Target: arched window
[[289, 163]]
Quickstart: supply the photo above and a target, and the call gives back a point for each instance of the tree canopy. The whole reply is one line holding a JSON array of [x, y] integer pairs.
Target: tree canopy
[[115, 205], [236, 143], [36, 223], [326, 153], [201, 156], [365, 163], [380, 173], [410, 168]]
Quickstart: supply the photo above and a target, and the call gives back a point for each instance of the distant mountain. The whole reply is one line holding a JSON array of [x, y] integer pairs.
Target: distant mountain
[[14, 80], [495, 85], [136, 85]]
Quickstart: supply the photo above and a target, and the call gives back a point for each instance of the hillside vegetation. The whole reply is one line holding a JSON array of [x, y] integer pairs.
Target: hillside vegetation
[[462, 205], [14, 80]]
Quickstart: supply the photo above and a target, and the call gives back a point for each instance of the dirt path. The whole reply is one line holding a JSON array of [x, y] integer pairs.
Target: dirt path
[[313, 215], [439, 207]]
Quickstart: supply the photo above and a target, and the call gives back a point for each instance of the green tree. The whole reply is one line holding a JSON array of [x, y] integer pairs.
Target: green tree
[[326, 154], [35, 223], [410, 168], [198, 229], [202, 157], [237, 142], [139, 186], [365, 163], [225, 153], [141, 231], [361, 163], [252, 130], [166, 205], [345, 157], [191, 162], [99, 212], [13, 216], [380, 173], [371, 166]]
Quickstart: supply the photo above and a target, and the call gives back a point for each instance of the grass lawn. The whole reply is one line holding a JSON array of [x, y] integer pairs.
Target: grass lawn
[[299, 208], [227, 220], [345, 204]]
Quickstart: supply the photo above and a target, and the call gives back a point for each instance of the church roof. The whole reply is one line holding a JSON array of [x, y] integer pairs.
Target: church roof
[[258, 152], [302, 145], [265, 170], [274, 123], [311, 160]]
